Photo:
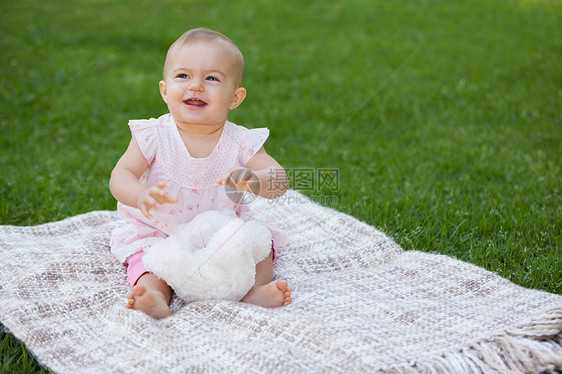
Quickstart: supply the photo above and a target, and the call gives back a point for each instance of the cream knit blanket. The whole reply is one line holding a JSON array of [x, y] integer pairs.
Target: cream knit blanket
[[360, 304]]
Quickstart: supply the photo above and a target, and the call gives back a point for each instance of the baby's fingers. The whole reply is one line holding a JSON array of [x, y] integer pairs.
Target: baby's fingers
[[241, 179], [238, 177], [170, 199], [160, 196], [162, 185], [146, 206]]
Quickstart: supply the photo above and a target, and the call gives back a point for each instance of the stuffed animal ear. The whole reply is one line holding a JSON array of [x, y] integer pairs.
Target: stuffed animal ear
[[201, 235]]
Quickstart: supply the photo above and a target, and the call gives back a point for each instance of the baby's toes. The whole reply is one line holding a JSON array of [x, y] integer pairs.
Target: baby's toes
[[130, 303], [282, 285], [130, 299]]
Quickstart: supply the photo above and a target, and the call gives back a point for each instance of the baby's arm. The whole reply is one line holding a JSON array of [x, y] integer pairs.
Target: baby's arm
[[271, 176], [125, 186]]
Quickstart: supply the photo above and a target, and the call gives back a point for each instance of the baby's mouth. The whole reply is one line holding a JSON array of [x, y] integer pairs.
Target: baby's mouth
[[194, 102]]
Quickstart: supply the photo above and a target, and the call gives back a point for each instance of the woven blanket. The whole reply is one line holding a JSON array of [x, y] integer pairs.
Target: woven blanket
[[360, 304]]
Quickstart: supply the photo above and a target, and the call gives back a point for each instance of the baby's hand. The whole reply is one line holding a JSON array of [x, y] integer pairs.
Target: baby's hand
[[153, 197], [242, 179]]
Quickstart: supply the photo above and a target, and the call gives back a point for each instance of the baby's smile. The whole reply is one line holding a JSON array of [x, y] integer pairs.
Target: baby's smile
[[195, 103]]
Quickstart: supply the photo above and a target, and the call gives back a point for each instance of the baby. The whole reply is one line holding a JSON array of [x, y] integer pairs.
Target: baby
[[178, 165]]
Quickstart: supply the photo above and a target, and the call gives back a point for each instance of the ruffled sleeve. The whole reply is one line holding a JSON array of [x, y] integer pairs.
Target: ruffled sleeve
[[145, 134], [251, 142]]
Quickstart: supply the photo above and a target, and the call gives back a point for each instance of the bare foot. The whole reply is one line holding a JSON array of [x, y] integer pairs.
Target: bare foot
[[276, 293], [151, 302]]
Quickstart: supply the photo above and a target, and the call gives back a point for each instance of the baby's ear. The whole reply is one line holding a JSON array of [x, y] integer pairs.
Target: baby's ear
[[239, 96], [163, 91]]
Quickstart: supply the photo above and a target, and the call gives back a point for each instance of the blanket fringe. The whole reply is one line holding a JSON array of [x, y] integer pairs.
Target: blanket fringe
[[533, 348]]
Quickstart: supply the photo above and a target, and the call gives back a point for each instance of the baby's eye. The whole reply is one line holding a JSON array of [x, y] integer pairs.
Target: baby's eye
[[211, 78], [182, 76]]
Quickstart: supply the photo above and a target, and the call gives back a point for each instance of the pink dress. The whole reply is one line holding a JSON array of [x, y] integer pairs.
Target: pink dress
[[193, 180]]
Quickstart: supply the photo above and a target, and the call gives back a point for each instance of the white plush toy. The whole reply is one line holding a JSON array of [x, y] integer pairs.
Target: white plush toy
[[214, 256]]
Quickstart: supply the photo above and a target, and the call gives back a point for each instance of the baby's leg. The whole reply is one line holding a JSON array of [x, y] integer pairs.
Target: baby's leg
[[151, 295], [268, 293]]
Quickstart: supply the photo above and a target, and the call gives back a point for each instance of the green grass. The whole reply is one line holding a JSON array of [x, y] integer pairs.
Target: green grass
[[443, 117], [14, 358]]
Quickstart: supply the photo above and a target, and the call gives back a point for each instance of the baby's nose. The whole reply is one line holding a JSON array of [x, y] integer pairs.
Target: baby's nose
[[195, 85]]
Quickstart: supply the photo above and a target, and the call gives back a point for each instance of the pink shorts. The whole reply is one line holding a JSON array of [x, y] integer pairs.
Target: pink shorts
[[136, 269]]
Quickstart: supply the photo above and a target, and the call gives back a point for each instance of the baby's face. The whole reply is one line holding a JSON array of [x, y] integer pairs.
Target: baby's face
[[201, 85]]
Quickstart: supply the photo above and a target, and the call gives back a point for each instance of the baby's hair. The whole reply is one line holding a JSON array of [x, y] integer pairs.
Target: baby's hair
[[208, 35]]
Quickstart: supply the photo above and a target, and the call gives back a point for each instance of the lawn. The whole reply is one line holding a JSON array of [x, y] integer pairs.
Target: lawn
[[442, 119]]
